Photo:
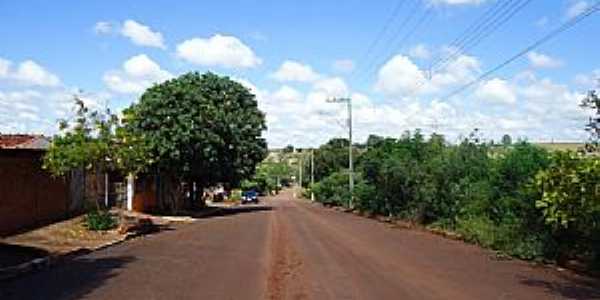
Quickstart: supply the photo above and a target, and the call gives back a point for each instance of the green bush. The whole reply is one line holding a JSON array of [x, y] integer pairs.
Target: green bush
[[517, 198], [236, 195], [100, 220], [333, 189], [570, 202]]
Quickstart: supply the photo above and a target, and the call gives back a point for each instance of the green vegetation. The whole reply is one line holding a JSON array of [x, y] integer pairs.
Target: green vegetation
[[270, 177], [202, 129], [515, 199], [100, 220]]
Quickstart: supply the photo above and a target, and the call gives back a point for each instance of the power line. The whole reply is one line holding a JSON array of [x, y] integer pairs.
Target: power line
[[487, 17], [384, 29], [566, 26], [409, 17], [486, 31], [484, 26]]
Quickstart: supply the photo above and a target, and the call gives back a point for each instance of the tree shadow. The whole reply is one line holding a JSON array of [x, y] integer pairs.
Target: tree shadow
[[71, 280], [567, 287], [12, 255], [230, 211]]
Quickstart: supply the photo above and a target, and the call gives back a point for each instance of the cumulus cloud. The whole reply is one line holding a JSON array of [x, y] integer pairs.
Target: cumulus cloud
[[401, 77], [137, 74], [218, 50], [142, 35], [588, 80], [539, 60], [37, 110], [295, 71], [496, 91], [27, 73], [535, 108]]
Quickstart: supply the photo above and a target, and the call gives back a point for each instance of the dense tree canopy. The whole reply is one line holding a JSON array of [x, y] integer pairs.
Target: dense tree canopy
[[204, 128]]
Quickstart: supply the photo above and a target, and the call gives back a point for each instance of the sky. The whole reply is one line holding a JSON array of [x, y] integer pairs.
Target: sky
[[397, 60]]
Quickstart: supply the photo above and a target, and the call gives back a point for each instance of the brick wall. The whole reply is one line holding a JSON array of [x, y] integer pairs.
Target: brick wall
[[29, 196]]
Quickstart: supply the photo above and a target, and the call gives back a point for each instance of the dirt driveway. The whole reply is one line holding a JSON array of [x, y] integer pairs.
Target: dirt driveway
[[290, 249]]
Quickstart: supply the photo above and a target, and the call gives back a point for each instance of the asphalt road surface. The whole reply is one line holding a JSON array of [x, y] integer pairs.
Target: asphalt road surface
[[292, 249]]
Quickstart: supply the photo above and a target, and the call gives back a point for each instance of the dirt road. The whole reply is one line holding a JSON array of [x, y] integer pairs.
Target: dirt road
[[291, 249]]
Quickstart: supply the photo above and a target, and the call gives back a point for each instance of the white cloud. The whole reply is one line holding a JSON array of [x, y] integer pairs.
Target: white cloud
[[333, 86], [137, 74], [27, 73], [218, 50], [142, 35], [576, 8], [37, 110], [31, 73], [420, 51], [286, 95], [588, 81], [295, 71], [496, 91], [103, 27], [539, 60], [538, 109], [4, 67], [343, 66], [400, 76]]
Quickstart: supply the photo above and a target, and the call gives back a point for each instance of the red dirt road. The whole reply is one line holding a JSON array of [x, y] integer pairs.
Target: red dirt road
[[296, 250]]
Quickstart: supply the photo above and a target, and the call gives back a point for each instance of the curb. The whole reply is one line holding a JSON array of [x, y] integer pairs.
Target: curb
[[41, 263]]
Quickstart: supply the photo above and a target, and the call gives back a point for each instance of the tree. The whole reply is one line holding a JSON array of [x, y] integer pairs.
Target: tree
[[288, 149], [202, 129], [96, 143], [506, 140], [592, 102], [331, 157]]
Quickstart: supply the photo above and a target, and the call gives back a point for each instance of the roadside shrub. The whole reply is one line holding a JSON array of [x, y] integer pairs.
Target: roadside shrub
[[333, 189], [236, 195], [100, 220], [570, 202]]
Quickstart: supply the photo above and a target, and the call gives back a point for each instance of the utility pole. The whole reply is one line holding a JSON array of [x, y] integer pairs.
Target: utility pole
[[300, 167], [348, 101], [312, 174]]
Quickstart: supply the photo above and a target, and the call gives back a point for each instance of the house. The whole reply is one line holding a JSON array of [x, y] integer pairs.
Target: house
[[29, 196]]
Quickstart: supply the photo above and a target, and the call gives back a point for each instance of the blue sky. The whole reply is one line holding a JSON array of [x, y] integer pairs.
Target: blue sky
[[295, 54]]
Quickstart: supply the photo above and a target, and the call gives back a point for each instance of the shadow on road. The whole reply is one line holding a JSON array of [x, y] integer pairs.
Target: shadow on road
[[569, 288], [71, 280], [229, 211], [12, 255]]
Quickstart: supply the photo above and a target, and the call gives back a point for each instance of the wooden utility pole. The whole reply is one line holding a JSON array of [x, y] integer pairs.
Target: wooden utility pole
[[312, 174], [348, 101]]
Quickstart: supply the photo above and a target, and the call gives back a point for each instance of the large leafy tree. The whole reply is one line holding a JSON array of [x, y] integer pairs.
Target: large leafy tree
[[200, 128]]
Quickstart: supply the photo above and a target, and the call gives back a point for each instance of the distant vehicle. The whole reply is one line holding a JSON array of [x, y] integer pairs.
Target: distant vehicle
[[250, 197]]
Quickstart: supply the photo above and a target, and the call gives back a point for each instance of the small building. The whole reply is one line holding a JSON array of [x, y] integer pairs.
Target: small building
[[29, 196]]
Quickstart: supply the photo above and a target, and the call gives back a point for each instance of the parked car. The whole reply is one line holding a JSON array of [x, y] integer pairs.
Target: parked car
[[249, 197]]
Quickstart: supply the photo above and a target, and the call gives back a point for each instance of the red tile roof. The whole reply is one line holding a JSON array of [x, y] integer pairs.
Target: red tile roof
[[23, 141]]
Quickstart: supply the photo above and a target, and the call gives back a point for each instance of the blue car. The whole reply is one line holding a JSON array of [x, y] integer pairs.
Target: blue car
[[250, 197]]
